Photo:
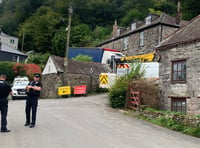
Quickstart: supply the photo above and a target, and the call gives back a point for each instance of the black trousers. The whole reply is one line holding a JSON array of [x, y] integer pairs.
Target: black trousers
[[4, 111], [31, 106]]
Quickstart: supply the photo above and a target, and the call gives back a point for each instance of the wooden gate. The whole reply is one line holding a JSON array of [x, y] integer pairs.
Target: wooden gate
[[134, 99]]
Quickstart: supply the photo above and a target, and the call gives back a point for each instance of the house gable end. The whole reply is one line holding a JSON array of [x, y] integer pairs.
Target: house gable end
[[50, 67]]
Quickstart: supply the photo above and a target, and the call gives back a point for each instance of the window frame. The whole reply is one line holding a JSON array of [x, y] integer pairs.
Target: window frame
[[12, 41], [177, 104], [16, 58], [148, 20], [141, 38], [133, 26], [125, 43], [175, 72]]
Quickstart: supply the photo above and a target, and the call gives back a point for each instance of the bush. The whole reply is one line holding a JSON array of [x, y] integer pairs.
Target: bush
[[117, 93], [6, 68], [38, 59], [25, 69], [11, 70]]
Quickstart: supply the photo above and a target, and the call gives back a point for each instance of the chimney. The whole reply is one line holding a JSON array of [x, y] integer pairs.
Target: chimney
[[178, 15], [115, 29]]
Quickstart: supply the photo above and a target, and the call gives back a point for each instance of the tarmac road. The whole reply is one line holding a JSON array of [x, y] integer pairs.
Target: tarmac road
[[86, 122]]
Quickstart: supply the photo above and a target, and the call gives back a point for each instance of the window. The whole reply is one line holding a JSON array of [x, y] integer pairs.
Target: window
[[118, 32], [148, 20], [133, 26], [179, 71], [178, 105], [12, 41], [125, 43], [15, 58], [141, 40]]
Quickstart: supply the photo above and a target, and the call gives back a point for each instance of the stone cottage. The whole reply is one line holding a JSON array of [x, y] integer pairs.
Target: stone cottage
[[54, 75], [141, 37], [179, 69]]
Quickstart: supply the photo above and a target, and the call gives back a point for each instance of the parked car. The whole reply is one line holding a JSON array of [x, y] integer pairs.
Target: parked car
[[18, 88]]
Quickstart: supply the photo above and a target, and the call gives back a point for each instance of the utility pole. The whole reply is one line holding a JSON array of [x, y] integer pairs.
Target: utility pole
[[70, 11], [23, 41]]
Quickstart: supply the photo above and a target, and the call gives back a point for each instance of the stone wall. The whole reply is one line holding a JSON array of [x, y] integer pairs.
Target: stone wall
[[152, 36], [166, 31], [182, 119], [190, 89], [51, 82]]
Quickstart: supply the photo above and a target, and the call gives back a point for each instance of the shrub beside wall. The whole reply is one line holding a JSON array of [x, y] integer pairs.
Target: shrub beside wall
[[11, 70], [117, 93], [6, 68]]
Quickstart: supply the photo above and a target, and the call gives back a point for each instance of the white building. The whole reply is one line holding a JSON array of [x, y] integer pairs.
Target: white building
[[9, 40]]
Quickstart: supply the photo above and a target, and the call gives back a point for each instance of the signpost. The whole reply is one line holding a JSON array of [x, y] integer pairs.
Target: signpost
[[81, 89], [64, 90]]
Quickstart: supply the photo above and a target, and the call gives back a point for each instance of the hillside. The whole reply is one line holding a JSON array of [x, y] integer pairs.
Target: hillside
[[42, 23]]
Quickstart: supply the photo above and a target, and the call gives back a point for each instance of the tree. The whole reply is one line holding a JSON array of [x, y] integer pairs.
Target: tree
[[14, 12], [190, 8], [169, 7], [38, 59], [80, 36], [82, 57], [58, 42], [39, 30]]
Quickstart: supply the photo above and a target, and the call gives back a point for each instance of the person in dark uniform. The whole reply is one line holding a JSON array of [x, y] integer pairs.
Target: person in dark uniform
[[33, 92], [5, 90]]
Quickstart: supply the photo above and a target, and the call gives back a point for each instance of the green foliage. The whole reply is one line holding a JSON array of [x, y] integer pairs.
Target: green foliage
[[14, 12], [80, 36], [82, 57], [39, 30], [6, 68], [171, 124], [38, 59], [166, 6], [58, 42], [117, 93], [92, 20], [190, 8]]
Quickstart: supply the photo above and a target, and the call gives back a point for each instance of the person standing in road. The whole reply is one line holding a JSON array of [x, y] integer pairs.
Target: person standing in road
[[33, 92], [5, 90]]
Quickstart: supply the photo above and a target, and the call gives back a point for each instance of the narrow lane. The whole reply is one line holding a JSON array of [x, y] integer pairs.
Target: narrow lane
[[86, 122]]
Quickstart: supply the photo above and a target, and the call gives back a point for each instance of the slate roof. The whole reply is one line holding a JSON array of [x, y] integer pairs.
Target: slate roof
[[187, 34], [79, 67], [156, 20], [3, 34], [5, 48]]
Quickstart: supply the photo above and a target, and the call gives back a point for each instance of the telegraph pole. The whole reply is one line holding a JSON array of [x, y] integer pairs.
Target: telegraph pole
[[70, 11]]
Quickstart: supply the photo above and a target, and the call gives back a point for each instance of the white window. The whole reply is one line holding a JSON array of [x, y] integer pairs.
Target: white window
[[141, 40], [148, 20], [118, 32], [133, 26], [12, 41], [125, 43], [15, 58]]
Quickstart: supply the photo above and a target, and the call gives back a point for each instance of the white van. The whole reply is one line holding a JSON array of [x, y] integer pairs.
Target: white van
[[18, 88]]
